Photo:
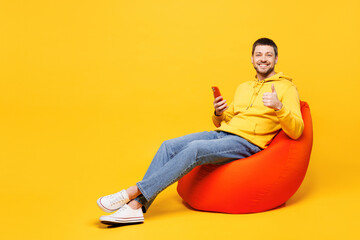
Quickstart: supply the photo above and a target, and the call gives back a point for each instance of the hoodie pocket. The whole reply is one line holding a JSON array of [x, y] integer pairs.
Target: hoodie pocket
[[244, 126], [266, 129]]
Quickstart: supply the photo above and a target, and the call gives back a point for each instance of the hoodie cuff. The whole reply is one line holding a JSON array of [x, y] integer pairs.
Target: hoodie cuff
[[218, 118], [282, 112]]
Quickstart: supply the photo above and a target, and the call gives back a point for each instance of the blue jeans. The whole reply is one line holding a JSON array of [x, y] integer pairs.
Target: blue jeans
[[177, 157]]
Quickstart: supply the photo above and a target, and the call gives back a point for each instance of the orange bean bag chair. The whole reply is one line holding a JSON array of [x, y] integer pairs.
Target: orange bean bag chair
[[258, 183]]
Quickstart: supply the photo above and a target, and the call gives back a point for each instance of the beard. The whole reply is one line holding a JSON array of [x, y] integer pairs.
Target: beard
[[262, 72]]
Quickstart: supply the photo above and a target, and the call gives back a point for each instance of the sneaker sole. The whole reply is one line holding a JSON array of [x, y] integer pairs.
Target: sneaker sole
[[104, 208], [111, 221]]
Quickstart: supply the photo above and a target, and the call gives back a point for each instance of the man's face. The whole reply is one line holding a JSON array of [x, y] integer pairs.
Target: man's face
[[264, 59]]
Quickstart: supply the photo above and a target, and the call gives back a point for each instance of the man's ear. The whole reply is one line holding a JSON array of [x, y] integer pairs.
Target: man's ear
[[252, 60], [276, 59]]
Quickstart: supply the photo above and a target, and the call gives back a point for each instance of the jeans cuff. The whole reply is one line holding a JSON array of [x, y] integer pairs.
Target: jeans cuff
[[142, 191]]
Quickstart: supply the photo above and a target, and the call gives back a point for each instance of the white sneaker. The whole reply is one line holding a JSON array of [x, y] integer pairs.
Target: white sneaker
[[124, 215], [113, 202]]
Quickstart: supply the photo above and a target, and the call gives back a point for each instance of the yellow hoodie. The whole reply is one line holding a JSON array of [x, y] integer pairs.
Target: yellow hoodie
[[249, 118]]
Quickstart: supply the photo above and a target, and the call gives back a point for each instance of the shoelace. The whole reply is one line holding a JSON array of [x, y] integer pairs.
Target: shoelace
[[115, 198], [119, 211]]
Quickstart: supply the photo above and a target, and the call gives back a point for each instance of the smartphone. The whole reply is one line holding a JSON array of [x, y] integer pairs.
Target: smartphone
[[216, 92]]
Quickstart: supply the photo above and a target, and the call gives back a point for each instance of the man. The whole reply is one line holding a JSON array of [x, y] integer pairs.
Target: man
[[259, 110]]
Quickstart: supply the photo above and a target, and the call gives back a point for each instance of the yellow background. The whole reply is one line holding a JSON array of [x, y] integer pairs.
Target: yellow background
[[90, 89]]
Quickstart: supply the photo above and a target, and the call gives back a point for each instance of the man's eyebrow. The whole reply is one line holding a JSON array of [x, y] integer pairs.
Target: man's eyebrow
[[265, 52]]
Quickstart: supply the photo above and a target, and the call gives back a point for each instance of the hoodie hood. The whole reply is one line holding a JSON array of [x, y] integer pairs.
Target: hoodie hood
[[277, 77]]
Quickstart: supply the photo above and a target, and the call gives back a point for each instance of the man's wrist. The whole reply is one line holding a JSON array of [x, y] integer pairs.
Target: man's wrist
[[217, 115], [279, 107]]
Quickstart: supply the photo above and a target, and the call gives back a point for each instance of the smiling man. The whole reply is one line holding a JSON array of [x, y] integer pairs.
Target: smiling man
[[260, 109], [263, 106], [264, 58]]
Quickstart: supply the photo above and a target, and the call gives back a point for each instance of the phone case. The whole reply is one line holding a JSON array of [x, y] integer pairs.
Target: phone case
[[216, 92]]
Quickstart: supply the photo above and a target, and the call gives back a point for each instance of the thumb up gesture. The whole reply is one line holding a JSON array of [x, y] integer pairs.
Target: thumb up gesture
[[270, 99]]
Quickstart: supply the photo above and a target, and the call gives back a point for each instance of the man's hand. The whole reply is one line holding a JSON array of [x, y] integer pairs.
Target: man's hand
[[271, 99], [220, 105]]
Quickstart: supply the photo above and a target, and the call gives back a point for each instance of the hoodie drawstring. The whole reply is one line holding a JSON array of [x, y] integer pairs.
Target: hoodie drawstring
[[255, 93]]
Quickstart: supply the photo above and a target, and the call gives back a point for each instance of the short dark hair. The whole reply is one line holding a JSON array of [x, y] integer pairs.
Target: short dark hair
[[266, 42]]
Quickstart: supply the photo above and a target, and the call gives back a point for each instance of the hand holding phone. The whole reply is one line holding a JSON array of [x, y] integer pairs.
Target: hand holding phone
[[219, 104]]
